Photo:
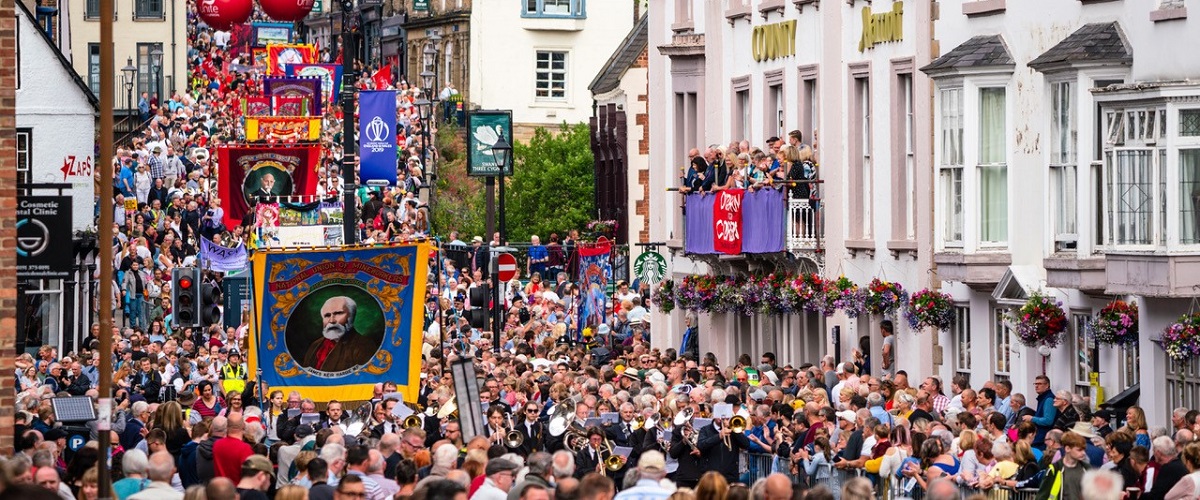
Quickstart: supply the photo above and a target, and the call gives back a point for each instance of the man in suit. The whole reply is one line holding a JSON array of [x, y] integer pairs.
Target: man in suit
[[340, 346], [692, 464], [589, 459], [722, 457], [622, 433], [266, 187], [287, 428], [147, 382], [531, 430], [1170, 471]]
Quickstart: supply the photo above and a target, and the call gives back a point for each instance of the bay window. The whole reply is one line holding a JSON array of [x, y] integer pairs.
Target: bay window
[[1063, 169], [1135, 171], [950, 167], [1189, 196], [993, 170]]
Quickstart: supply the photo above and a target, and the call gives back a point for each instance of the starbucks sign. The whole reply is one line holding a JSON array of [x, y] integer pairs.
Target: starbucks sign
[[650, 267]]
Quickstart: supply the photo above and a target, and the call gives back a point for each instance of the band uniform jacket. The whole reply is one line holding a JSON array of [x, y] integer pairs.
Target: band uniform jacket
[[586, 461], [721, 458], [619, 436], [533, 441], [691, 467]]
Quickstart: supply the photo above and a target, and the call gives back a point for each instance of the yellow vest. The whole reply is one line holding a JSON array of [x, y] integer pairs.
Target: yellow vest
[[233, 379]]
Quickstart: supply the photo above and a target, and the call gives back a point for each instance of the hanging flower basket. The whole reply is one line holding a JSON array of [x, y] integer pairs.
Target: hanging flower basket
[[1040, 322], [729, 298], [696, 293], [810, 290], [664, 297], [1181, 339], [845, 295], [885, 297], [1116, 324], [930, 309], [606, 228], [786, 301], [761, 297]]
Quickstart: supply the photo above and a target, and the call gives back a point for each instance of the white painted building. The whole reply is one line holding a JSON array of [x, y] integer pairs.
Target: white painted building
[[722, 71], [1067, 152], [537, 57], [56, 130]]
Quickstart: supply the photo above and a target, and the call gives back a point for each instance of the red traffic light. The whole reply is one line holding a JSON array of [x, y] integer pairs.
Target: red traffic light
[[185, 283]]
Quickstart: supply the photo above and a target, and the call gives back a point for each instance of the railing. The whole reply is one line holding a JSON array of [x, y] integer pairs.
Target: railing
[[805, 224], [755, 466]]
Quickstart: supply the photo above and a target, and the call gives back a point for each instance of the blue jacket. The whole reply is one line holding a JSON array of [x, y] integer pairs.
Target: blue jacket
[[1044, 417]]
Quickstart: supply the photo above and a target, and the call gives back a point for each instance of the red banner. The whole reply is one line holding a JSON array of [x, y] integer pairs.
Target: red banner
[[250, 173], [727, 221], [279, 56], [257, 106]]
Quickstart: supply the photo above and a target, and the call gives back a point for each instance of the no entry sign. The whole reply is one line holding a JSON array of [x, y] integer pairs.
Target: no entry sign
[[506, 266]]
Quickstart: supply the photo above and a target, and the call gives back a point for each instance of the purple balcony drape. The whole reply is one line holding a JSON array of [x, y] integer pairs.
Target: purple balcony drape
[[762, 221], [699, 236]]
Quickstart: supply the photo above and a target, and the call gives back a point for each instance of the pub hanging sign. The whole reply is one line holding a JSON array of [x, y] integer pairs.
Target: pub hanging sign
[[883, 27]]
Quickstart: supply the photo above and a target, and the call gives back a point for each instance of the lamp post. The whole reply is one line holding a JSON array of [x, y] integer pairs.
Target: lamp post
[[349, 127], [501, 151], [129, 73], [156, 67]]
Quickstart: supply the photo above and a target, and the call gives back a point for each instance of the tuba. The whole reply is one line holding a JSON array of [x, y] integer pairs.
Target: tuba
[[561, 417]]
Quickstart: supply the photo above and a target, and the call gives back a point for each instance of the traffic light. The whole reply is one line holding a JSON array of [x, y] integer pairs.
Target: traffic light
[[185, 285], [210, 305]]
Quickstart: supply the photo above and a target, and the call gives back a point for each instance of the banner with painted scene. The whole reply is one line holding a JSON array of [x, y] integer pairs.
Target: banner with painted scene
[[308, 89], [288, 225], [595, 272], [333, 323], [265, 34], [329, 74], [256, 106], [282, 54], [286, 129], [253, 173]]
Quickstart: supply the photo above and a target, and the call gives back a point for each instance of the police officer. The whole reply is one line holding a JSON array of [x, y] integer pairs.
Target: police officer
[[233, 374]]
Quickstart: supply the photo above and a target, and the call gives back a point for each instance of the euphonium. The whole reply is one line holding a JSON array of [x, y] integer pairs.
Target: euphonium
[[413, 421]]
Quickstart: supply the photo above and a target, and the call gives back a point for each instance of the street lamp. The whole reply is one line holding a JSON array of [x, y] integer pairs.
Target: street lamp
[[349, 125], [129, 73], [500, 151], [156, 63]]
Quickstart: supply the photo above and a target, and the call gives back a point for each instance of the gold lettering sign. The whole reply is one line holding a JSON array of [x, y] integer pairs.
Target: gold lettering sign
[[879, 28], [772, 41]]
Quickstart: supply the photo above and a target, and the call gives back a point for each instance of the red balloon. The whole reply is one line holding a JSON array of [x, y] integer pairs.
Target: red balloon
[[224, 14], [286, 10]]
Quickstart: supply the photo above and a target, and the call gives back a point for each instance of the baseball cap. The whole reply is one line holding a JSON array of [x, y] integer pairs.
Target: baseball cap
[[259, 463], [652, 461], [847, 415], [758, 395]]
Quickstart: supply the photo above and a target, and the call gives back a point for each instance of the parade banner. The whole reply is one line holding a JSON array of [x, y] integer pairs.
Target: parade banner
[[224, 259], [595, 271], [329, 74], [250, 173], [260, 59], [764, 231], [333, 323], [306, 88], [761, 227], [283, 129], [290, 106], [265, 34], [281, 55], [256, 106], [727, 221], [287, 225], [377, 136]]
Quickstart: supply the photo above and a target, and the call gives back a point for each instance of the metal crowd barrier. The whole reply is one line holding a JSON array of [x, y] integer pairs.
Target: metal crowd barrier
[[900, 489]]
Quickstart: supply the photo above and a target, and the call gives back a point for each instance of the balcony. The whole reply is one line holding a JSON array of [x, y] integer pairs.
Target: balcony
[[765, 221], [981, 271]]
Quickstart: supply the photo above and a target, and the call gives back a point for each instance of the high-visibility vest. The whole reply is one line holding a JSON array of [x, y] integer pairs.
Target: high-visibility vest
[[233, 380]]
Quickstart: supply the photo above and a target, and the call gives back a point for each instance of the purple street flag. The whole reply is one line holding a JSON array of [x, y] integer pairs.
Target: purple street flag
[[377, 136]]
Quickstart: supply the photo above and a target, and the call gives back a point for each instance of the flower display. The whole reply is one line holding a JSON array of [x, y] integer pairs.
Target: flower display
[[1116, 324], [885, 297], [1181, 339], [664, 297], [810, 290], [1041, 321], [728, 297], [845, 295], [930, 309], [696, 293], [602, 226]]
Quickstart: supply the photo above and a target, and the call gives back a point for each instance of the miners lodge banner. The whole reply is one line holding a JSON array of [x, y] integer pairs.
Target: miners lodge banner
[[290, 89], [281, 55], [595, 271], [251, 173], [283, 129], [331, 324], [727, 221], [329, 74]]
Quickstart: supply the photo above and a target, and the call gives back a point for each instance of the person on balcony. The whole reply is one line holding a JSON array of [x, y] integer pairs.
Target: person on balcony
[[700, 176]]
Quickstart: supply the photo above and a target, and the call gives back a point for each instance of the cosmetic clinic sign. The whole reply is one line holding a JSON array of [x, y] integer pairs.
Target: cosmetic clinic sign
[[43, 252]]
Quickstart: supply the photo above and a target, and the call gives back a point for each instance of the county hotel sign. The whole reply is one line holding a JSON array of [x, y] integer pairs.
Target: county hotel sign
[[778, 40]]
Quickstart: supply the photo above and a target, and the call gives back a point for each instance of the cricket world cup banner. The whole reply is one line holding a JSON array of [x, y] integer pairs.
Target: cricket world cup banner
[[332, 324], [377, 136]]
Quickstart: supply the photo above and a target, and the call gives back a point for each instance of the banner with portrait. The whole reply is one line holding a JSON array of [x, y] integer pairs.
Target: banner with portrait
[[595, 271], [252, 173], [333, 323], [308, 89], [329, 74], [282, 54], [289, 129]]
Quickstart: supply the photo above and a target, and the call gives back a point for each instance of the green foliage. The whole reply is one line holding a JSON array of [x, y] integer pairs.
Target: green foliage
[[553, 183], [460, 203]]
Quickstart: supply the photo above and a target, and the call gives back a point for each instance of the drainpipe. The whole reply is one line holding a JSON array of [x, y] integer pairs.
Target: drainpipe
[[174, 57]]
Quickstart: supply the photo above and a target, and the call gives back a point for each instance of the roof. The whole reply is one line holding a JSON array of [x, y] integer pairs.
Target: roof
[[623, 58], [83, 87], [978, 52], [1092, 43]]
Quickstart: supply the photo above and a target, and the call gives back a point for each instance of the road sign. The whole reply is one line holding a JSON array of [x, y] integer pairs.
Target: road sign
[[506, 266]]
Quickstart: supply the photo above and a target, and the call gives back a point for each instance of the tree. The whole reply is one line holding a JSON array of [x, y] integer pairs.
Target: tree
[[553, 183], [459, 204]]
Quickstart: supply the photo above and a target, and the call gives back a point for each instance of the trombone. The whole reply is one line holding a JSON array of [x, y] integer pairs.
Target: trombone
[[414, 420], [611, 461], [514, 438], [737, 425]]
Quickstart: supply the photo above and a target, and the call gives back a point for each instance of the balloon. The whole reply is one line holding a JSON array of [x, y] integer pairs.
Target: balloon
[[286, 10], [224, 14]]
